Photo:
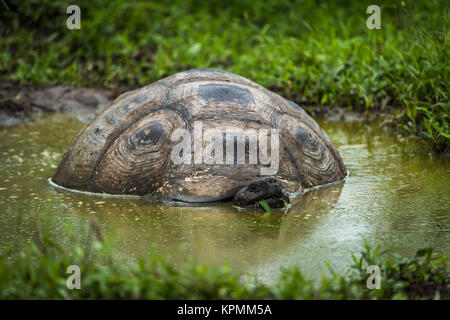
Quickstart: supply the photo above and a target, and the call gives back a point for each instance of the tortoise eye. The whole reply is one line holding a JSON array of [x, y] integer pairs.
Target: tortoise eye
[[253, 188]]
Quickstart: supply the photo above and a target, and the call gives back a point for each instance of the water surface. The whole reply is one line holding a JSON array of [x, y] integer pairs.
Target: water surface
[[396, 196]]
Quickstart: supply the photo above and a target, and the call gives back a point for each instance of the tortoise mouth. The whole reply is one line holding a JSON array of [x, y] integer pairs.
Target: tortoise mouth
[[267, 189]]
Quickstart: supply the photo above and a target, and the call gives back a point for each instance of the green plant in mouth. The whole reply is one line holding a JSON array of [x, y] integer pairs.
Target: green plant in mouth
[[265, 205], [268, 209], [287, 206]]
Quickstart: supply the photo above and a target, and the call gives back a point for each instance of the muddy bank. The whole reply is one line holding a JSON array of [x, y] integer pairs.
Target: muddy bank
[[18, 103]]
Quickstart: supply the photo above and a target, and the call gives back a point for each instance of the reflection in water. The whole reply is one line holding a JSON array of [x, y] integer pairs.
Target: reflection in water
[[213, 234], [395, 197]]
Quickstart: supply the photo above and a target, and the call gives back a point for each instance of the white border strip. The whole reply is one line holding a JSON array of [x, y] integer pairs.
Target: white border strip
[[95, 194]]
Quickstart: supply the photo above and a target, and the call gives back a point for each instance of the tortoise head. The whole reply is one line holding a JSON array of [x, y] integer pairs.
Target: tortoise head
[[268, 189]]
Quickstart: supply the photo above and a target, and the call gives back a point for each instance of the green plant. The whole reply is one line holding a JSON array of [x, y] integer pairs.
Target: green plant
[[265, 205], [313, 52], [38, 271]]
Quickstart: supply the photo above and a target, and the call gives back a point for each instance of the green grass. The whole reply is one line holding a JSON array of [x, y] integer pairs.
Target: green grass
[[313, 52], [39, 272]]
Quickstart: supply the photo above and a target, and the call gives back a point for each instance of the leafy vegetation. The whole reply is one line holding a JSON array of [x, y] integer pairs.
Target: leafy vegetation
[[318, 53], [265, 206], [39, 271]]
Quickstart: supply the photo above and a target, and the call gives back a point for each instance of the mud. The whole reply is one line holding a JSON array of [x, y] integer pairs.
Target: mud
[[18, 102]]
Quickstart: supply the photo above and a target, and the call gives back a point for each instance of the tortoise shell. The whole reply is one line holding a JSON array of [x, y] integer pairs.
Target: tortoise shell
[[128, 147]]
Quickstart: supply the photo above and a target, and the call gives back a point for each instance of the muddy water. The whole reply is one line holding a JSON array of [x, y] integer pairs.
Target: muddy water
[[396, 196]]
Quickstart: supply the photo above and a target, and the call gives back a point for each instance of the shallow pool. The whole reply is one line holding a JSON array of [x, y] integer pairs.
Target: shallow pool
[[396, 196]]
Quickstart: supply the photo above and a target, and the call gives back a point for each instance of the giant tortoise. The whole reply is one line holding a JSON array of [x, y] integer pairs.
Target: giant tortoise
[[201, 135]]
